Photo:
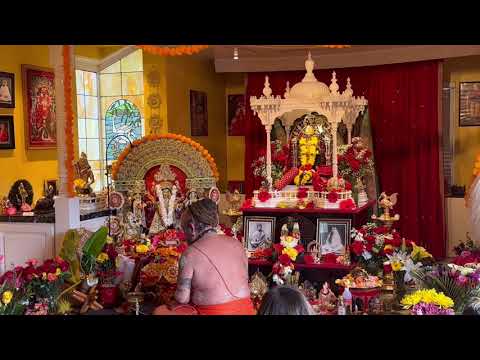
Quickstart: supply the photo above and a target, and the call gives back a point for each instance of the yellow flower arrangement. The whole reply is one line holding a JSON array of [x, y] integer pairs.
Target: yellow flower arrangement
[[7, 297], [102, 257], [141, 249], [291, 252], [429, 296]]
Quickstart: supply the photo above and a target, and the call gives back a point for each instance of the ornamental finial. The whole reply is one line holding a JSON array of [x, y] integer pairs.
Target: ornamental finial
[[267, 91], [287, 90], [348, 91], [334, 86]]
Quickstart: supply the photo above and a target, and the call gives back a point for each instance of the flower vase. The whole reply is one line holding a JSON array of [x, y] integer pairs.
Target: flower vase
[[399, 287], [108, 295]]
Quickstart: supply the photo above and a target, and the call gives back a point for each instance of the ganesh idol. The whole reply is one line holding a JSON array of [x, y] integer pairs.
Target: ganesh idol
[[165, 193], [308, 150]]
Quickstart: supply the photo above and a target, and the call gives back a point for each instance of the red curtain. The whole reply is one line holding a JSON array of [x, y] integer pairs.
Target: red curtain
[[403, 107]]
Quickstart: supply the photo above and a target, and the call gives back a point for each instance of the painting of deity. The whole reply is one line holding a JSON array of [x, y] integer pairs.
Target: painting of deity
[[236, 115], [198, 113], [39, 107]]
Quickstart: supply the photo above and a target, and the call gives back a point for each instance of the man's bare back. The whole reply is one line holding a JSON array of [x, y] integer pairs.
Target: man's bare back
[[200, 263]]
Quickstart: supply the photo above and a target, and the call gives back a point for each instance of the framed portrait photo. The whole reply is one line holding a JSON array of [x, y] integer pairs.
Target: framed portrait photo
[[236, 115], [198, 113], [7, 133], [259, 232], [7, 90], [50, 184], [333, 235], [469, 107], [39, 107], [214, 195]]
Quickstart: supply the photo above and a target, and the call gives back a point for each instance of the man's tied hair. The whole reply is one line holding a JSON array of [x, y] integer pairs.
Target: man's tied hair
[[205, 212]]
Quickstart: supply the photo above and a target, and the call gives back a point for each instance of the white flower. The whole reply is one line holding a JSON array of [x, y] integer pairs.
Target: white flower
[[366, 255], [277, 280], [410, 266], [463, 270]]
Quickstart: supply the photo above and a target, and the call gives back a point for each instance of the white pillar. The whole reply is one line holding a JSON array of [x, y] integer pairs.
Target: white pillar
[[334, 150], [349, 133], [67, 210], [268, 129]]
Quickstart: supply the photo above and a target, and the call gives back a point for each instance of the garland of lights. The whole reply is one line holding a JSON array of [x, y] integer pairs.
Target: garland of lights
[[173, 51]]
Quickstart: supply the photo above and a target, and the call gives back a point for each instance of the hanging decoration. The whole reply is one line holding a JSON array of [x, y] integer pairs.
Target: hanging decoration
[[336, 46], [69, 136], [173, 50]]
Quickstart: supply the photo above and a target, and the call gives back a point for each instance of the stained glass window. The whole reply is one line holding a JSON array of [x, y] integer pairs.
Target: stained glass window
[[123, 124]]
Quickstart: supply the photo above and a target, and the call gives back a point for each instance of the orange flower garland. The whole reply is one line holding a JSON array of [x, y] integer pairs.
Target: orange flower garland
[[69, 136], [173, 51], [204, 152]]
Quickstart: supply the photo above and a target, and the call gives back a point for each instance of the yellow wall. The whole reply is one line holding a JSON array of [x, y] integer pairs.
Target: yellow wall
[[154, 63], [32, 165], [467, 139], [234, 84], [196, 73]]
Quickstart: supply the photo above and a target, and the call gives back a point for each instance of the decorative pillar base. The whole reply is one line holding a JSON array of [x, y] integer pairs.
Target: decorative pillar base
[[67, 216]]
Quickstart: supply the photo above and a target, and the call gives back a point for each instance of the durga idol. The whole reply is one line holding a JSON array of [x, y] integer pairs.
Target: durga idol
[[165, 193], [308, 154]]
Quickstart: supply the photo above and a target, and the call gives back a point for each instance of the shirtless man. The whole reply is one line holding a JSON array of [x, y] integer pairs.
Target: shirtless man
[[213, 271]]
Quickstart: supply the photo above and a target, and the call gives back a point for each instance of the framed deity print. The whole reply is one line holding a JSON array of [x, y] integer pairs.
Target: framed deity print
[[333, 235], [198, 113], [259, 232], [7, 134], [51, 183], [7, 90], [236, 115], [39, 107], [469, 107]]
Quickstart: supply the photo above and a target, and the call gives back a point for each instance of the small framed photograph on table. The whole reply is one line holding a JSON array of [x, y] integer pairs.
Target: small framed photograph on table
[[333, 235], [259, 232]]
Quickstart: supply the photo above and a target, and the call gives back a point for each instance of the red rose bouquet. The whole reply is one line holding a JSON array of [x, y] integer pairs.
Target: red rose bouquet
[[280, 156], [355, 161]]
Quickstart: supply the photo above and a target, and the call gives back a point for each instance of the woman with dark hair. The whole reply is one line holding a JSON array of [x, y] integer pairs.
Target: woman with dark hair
[[285, 300]]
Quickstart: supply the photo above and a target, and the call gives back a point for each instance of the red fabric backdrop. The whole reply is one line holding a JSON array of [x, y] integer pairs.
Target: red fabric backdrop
[[403, 108]]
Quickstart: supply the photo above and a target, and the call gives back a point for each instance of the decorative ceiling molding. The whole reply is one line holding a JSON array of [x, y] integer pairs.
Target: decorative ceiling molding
[[337, 60]]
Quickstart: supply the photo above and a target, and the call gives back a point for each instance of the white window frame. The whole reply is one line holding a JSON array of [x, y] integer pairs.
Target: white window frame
[[96, 66]]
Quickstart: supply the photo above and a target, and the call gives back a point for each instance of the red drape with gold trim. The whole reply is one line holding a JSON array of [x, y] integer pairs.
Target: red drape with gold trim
[[403, 106]]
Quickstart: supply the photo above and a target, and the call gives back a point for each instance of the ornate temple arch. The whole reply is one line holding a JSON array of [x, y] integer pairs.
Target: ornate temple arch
[[188, 156]]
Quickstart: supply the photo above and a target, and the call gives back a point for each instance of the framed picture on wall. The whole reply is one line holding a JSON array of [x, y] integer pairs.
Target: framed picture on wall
[[7, 133], [39, 107], [7, 90], [333, 235], [50, 184], [259, 232], [469, 107], [236, 115], [198, 113]]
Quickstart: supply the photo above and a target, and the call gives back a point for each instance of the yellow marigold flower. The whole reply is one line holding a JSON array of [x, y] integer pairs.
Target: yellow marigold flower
[[141, 249], [396, 266], [291, 252], [7, 297], [428, 296], [102, 257]]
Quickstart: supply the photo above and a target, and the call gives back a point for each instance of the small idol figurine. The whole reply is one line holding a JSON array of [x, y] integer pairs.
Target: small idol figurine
[[326, 296]]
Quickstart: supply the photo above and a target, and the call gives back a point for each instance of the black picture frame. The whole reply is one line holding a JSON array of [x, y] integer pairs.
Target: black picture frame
[[248, 230], [6, 122], [345, 226], [468, 107], [10, 78]]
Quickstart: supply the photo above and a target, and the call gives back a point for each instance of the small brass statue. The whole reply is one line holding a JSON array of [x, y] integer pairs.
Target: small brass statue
[[387, 203], [84, 176]]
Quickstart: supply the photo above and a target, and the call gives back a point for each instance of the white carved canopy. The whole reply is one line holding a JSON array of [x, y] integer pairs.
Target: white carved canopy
[[309, 95]]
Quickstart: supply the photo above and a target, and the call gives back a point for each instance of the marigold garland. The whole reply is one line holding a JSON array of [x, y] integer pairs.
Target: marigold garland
[[204, 152], [173, 51], [69, 136]]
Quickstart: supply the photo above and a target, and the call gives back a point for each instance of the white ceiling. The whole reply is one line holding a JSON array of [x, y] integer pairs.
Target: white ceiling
[[254, 58]]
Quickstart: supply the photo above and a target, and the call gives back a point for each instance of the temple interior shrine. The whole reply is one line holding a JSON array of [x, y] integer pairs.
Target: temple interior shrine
[[158, 179]]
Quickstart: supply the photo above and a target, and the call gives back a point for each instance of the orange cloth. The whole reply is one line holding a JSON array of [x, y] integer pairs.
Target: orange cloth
[[235, 307]]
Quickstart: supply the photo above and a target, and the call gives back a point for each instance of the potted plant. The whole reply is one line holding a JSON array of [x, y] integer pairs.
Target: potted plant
[[107, 274]]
